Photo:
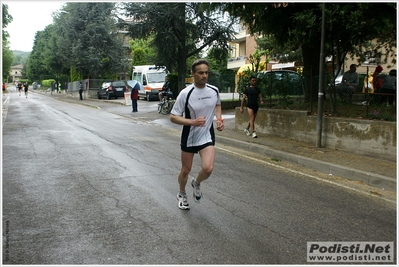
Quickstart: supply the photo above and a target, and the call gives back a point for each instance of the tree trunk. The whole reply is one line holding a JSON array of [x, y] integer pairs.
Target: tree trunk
[[181, 68], [311, 57], [182, 50]]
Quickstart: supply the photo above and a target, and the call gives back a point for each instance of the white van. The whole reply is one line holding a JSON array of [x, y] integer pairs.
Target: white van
[[152, 78]]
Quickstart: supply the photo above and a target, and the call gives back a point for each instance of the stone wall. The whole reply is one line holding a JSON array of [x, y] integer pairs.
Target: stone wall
[[364, 137]]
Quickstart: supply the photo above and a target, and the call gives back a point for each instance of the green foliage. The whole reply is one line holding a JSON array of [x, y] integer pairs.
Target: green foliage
[[47, 83], [255, 59], [283, 53], [139, 57], [75, 74], [218, 75], [83, 41], [7, 58], [348, 27], [179, 30], [7, 19], [143, 52], [7, 55]]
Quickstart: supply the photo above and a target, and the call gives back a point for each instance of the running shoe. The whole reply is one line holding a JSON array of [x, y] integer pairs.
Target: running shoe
[[254, 135], [246, 131], [183, 204], [196, 191]]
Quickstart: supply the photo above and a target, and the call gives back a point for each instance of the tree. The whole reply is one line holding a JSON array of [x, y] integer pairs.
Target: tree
[[219, 75], [142, 52], [281, 53], [7, 19], [83, 41], [40, 65], [348, 27], [7, 55], [88, 40], [180, 31]]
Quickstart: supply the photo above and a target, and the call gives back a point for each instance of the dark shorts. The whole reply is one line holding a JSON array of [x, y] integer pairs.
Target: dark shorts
[[253, 107], [195, 149]]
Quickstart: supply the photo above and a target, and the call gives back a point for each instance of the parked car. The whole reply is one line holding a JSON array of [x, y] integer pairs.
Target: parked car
[[284, 82], [35, 85], [112, 89]]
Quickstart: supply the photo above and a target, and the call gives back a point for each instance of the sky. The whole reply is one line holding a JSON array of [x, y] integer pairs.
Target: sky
[[28, 18]]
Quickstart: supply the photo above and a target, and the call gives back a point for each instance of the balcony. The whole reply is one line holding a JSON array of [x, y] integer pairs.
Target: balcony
[[236, 63], [240, 36]]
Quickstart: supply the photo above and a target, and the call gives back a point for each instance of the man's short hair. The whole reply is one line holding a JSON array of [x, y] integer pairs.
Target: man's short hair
[[252, 77], [352, 65], [198, 62]]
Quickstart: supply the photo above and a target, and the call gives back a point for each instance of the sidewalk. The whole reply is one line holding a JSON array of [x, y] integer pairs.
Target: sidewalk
[[376, 172]]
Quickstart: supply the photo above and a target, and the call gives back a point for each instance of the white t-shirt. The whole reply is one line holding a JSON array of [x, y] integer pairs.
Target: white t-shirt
[[201, 102]]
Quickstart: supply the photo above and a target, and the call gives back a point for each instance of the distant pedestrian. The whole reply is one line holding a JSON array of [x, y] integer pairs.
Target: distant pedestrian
[[20, 85], [80, 90], [134, 94], [26, 88], [59, 87], [252, 93], [4, 86]]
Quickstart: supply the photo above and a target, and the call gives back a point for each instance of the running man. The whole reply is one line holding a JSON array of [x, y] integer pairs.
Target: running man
[[199, 102], [26, 89], [252, 93]]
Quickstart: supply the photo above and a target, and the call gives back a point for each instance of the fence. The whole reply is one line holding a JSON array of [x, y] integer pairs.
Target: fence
[[88, 84], [289, 94]]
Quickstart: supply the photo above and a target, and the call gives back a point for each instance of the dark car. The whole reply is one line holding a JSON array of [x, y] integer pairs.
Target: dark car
[[283, 82], [112, 89]]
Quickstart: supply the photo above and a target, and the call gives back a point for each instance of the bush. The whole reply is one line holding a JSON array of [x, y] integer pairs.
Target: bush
[[48, 83]]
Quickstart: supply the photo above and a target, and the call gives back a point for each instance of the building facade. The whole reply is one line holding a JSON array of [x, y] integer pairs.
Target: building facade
[[16, 72]]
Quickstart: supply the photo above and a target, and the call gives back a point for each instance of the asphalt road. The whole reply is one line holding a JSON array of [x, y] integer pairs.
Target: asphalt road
[[83, 185]]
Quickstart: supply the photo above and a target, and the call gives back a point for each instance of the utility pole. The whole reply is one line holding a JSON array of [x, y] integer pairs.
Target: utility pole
[[321, 84]]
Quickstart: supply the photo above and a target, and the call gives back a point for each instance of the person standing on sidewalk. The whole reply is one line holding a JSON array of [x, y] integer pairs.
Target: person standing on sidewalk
[[199, 103], [59, 87], [80, 90], [134, 94], [252, 93]]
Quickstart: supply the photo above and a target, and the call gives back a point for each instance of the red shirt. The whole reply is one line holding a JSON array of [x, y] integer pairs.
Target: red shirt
[[135, 94]]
